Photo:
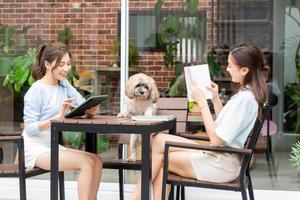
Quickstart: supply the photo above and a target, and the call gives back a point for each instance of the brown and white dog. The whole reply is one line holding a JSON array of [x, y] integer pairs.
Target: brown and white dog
[[141, 94]]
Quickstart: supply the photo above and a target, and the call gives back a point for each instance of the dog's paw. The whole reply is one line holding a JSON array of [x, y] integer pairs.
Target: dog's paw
[[121, 115], [148, 113]]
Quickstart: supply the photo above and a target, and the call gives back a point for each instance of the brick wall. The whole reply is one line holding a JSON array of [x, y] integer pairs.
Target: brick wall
[[93, 24], [94, 27]]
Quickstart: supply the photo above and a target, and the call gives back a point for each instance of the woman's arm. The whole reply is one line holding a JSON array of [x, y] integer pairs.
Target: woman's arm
[[78, 99], [217, 105], [210, 127], [44, 125], [209, 124], [214, 88]]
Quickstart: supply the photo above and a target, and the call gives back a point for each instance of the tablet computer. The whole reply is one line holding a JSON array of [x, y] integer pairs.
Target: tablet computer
[[90, 102]]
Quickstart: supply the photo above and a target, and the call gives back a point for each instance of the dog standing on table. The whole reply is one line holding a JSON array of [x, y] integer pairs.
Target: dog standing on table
[[141, 94]]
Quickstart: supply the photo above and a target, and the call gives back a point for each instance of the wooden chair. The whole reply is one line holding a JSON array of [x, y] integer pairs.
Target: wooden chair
[[18, 169], [166, 106], [240, 184]]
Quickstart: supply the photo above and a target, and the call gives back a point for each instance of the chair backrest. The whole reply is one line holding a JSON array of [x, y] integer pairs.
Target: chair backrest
[[253, 137], [178, 107], [257, 128]]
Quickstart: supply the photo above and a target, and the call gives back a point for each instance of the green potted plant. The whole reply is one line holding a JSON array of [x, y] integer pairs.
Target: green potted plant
[[10, 44], [132, 54], [295, 155], [64, 36], [102, 143], [170, 30], [291, 107], [14, 63], [20, 72], [19, 75], [291, 48]]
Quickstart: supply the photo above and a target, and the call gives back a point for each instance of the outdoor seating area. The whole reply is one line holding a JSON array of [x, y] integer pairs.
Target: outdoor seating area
[[183, 85]]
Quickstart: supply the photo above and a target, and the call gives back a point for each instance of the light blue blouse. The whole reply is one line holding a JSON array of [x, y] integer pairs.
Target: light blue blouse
[[237, 118], [43, 101]]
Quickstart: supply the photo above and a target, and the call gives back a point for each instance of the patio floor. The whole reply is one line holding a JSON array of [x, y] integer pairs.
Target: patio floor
[[277, 182]]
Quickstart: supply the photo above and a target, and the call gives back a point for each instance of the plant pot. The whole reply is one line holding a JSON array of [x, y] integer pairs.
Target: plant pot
[[19, 103], [6, 102], [5, 65]]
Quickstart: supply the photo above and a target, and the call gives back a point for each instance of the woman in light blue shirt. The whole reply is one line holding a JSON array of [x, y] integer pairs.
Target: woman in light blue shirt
[[231, 128], [50, 98]]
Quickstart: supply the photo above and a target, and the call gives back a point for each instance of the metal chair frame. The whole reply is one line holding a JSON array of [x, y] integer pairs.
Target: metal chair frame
[[240, 184], [18, 170]]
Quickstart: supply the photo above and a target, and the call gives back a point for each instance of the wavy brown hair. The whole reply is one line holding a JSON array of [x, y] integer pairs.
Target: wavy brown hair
[[50, 53], [250, 56]]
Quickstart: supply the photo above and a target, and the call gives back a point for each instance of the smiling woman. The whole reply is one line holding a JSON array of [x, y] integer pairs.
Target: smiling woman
[[54, 94]]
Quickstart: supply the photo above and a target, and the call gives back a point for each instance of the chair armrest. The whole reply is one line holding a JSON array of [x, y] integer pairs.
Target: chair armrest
[[10, 133], [208, 148], [193, 136], [10, 138]]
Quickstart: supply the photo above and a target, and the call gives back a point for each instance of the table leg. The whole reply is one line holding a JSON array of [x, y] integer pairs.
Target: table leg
[[54, 163], [173, 129], [146, 167], [91, 142]]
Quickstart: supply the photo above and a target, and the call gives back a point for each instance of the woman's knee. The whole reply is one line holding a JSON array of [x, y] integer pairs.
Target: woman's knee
[[98, 161], [158, 141], [91, 163]]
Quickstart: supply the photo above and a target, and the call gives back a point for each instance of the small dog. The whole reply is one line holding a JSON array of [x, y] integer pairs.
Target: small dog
[[141, 94]]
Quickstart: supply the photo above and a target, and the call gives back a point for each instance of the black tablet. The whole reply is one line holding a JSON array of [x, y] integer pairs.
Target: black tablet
[[90, 102]]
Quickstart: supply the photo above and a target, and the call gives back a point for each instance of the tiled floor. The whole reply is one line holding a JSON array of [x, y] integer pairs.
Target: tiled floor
[[279, 176]]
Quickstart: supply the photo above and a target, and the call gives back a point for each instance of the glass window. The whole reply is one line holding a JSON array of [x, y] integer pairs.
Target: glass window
[[145, 29]]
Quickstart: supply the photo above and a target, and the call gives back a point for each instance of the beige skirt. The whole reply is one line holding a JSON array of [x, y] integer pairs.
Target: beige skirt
[[215, 167]]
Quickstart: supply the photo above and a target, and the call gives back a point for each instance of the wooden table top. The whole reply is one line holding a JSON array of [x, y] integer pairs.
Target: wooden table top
[[105, 119]]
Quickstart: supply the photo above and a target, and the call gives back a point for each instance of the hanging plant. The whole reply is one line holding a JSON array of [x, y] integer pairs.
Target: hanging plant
[[169, 31], [133, 53], [64, 36]]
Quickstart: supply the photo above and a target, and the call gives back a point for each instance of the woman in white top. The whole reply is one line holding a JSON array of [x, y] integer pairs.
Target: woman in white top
[[50, 98], [231, 128]]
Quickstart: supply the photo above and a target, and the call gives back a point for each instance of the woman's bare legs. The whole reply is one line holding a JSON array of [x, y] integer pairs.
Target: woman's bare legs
[[179, 163], [156, 165], [97, 169], [158, 141], [88, 164]]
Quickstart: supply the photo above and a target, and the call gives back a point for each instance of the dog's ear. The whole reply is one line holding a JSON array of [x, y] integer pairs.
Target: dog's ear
[[154, 92], [129, 88]]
